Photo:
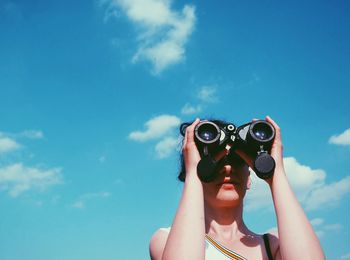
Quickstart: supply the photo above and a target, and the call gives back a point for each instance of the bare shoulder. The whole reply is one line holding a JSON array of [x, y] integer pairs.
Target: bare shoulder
[[157, 243], [274, 244]]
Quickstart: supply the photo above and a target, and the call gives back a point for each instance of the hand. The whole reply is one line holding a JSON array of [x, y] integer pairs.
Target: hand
[[189, 150], [277, 147]]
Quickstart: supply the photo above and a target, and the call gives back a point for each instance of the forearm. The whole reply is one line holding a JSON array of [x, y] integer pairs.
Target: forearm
[[187, 236], [297, 239]]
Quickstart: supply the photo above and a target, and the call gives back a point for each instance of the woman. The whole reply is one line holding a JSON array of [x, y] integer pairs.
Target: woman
[[209, 224]]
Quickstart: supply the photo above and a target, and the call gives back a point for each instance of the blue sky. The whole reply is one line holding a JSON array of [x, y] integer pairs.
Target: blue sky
[[92, 93]]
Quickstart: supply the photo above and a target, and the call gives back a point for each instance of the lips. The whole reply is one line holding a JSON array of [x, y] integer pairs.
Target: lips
[[229, 181]]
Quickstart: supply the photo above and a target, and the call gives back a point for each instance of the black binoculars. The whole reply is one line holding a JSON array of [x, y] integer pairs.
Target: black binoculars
[[254, 138]]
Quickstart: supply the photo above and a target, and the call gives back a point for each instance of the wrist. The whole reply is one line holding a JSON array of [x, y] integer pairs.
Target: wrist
[[192, 176], [278, 176]]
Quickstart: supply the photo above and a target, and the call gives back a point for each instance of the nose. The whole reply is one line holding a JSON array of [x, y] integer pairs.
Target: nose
[[227, 169]]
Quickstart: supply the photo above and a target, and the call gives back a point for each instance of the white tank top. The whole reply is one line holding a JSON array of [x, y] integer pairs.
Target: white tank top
[[215, 251]]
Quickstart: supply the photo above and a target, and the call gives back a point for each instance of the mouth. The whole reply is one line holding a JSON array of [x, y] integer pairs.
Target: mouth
[[228, 182]]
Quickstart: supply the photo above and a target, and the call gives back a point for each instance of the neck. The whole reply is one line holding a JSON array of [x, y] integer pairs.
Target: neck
[[225, 223]]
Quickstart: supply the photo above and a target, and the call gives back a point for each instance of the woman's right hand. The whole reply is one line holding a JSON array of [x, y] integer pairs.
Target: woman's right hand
[[189, 150]]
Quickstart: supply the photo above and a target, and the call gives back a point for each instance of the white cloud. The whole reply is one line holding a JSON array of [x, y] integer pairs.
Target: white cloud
[[345, 256], [322, 229], [102, 159], [208, 94], [259, 194], [342, 139], [7, 144], [188, 109], [80, 203], [317, 221], [333, 227], [328, 194], [17, 179], [103, 194], [118, 182], [308, 184], [166, 146], [320, 233], [33, 134], [302, 178], [156, 127], [319, 226], [163, 31]]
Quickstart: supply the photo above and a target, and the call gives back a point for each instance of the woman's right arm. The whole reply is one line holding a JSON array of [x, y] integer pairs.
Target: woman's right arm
[[186, 239]]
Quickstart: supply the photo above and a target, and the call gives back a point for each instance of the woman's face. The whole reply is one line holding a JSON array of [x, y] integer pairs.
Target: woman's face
[[230, 185]]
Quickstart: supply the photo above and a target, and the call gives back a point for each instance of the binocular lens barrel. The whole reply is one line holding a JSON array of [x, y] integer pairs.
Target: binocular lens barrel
[[207, 132], [262, 131]]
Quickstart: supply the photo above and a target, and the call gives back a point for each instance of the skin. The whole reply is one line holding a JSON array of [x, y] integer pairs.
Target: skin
[[216, 209]]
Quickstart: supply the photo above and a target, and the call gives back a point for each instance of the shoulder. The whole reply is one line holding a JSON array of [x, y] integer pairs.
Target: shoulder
[[274, 244], [157, 243]]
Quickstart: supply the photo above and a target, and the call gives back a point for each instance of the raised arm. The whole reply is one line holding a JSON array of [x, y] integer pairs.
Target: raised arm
[[186, 239], [297, 239]]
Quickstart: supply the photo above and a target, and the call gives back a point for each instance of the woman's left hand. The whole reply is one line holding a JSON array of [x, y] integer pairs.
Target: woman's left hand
[[276, 150]]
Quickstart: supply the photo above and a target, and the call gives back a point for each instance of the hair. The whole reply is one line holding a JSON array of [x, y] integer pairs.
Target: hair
[[233, 158]]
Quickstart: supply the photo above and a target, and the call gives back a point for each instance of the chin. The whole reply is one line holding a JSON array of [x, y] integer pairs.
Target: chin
[[220, 197], [228, 203], [229, 198]]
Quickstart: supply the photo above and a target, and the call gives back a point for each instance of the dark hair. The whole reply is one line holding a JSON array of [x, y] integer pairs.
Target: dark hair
[[235, 158]]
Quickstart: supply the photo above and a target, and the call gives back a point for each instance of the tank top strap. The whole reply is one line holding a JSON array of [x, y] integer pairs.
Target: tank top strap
[[267, 246], [227, 252]]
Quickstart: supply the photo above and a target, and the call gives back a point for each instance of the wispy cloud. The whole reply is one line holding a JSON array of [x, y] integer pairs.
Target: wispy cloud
[[156, 127], [32, 134], [102, 159], [328, 194], [118, 181], [166, 146], [316, 221], [188, 109], [345, 256], [163, 32], [204, 95], [8, 144], [11, 9], [161, 127], [309, 185], [321, 228], [208, 94], [319, 225], [17, 178], [341, 139], [81, 202], [78, 204], [303, 178]]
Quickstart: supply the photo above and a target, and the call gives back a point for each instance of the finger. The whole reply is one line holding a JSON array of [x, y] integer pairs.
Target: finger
[[275, 125], [270, 120], [190, 131], [254, 119]]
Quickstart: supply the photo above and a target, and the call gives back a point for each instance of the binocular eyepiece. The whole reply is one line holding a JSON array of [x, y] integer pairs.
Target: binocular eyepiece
[[255, 139]]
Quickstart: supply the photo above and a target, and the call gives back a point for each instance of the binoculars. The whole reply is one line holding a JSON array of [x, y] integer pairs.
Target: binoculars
[[254, 138]]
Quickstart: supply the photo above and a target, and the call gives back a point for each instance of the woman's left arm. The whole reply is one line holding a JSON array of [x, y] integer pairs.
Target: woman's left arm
[[297, 239]]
